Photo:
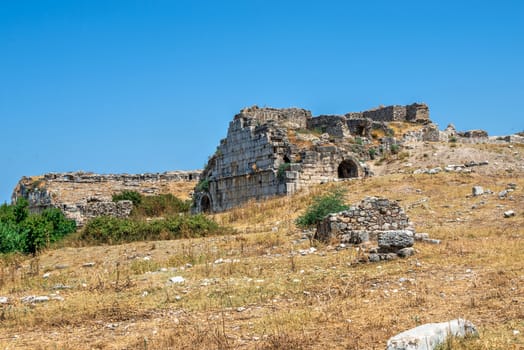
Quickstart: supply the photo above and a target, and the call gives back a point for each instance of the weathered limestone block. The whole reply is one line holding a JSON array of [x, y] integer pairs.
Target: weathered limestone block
[[430, 336], [394, 240]]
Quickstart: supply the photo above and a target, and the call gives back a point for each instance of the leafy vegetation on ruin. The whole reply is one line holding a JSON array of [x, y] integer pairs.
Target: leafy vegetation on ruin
[[158, 217], [331, 202], [132, 196]]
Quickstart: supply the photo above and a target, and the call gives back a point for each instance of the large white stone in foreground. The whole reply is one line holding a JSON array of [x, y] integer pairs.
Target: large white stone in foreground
[[428, 336]]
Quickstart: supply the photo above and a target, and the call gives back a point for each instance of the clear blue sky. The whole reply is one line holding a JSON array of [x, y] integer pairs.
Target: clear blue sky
[[148, 86]]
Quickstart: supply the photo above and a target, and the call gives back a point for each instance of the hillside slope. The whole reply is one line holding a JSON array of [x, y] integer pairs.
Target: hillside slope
[[267, 287]]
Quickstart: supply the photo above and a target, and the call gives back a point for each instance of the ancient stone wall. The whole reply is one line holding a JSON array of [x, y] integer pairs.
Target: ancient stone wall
[[292, 117], [363, 222], [79, 194], [334, 125], [271, 151], [374, 220]]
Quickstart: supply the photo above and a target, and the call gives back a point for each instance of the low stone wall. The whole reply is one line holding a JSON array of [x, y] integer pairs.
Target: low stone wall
[[120, 209], [373, 219], [371, 215]]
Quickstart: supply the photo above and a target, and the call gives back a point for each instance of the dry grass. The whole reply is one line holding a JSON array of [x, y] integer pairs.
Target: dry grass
[[255, 290]]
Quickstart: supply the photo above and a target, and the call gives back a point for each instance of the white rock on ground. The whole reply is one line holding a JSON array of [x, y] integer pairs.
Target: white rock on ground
[[30, 299], [477, 191], [509, 213], [430, 335], [177, 279]]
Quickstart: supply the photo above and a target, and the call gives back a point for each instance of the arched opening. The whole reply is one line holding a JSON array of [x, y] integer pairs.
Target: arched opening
[[205, 204], [347, 169], [286, 159]]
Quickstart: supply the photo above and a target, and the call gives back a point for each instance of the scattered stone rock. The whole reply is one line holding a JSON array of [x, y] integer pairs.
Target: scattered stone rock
[[61, 266], [431, 335], [405, 252], [394, 240], [420, 236], [61, 286], [509, 213], [88, 264], [4, 300], [177, 279], [477, 191], [503, 194], [32, 299]]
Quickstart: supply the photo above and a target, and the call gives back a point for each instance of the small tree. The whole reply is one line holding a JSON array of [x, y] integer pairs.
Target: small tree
[[332, 202]]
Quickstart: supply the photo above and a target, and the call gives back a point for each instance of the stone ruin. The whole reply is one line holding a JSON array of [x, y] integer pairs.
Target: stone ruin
[[82, 195], [269, 152], [372, 220]]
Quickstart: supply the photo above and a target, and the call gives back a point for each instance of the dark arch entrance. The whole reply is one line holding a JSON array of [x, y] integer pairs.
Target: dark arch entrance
[[347, 169], [205, 204]]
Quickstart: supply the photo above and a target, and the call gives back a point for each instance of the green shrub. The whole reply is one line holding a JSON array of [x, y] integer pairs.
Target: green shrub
[[394, 148], [372, 153], [203, 185], [110, 230], [12, 238], [132, 196], [161, 205], [358, 141], [29, 233], [333, 202]]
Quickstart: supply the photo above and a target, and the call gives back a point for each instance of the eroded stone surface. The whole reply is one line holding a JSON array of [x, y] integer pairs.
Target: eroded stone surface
[[431, 335]]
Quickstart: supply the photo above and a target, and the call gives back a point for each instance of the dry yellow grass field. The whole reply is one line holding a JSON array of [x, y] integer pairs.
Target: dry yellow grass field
[[264, 288]]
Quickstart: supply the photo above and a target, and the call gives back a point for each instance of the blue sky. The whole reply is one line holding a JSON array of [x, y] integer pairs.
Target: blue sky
[[149, 86]]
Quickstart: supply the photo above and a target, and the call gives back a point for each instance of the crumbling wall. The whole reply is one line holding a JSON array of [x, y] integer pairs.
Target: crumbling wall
[[76, 193], [293, 117], [120, 209], [270, 151], [363, 222], [334, 125], [373, 220]]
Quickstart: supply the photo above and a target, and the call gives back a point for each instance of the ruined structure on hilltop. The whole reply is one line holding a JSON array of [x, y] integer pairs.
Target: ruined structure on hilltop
[[83, 195], [270, 151]]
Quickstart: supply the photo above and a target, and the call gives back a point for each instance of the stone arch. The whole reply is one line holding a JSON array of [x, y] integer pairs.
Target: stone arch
[[348, 168], [205, 204], [286, 159]]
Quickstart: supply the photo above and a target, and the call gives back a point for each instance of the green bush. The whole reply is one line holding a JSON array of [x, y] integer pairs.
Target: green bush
[[161, 205], [394, 148], [12, 238], [132, 196], [372, 153], [203, 185], [110, 230], [333, 202], [29, 233]]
